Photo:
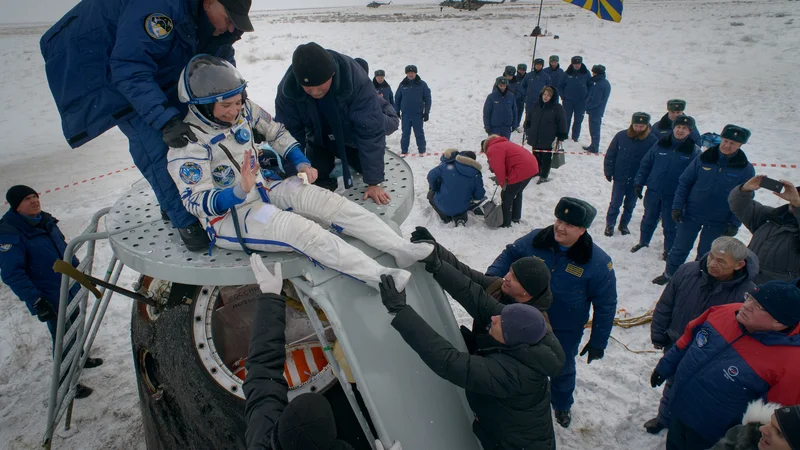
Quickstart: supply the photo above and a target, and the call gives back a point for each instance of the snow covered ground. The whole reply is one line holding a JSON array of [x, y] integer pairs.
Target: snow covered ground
[[731, 60]]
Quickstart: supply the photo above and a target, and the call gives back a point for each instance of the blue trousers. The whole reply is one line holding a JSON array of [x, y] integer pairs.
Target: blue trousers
[[578, 109], [684, 241], [595, 122], [501, 131], [563, 386], [412, 121], [149, 153], [520, 110], [657, 207], [622, 194]]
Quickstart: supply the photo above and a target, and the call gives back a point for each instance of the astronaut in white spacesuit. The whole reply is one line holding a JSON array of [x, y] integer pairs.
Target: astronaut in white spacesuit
[[243, 196]]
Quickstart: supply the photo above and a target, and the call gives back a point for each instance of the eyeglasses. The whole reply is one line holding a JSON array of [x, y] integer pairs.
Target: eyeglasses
[[749, 298]]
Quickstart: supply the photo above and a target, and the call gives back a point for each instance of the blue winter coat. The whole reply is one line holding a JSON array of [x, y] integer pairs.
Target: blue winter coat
[[413, 97], [27, 254], [625, 154], [555, 75], [598, 96], [581, 277], [103, 65], [499, 109], [362, 120], [385, 90], [456, 181], [574, 85], [532, 86], [663, 128], [718, 368], [691, 291], [704, 187], [664, 163]]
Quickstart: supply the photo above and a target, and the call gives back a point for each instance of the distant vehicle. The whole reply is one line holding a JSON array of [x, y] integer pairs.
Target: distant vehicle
[[377, 4], [469, 5]]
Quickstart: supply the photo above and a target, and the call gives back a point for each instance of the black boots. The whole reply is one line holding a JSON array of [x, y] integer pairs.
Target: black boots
[[564, 418], [195, 237], [609, 230], [653, 426], [661, 279], [82, 391], [91, 363], [624, 230], [638, 247]]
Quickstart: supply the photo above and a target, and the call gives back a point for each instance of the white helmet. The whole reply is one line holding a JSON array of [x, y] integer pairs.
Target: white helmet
[[209, 79]]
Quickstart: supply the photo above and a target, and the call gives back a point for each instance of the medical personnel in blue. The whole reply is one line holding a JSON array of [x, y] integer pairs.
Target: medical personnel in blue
[[241, 193], [116, 63]]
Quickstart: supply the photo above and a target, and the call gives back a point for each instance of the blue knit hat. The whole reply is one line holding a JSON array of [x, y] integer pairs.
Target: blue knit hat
[[522, 324], [781, 299]]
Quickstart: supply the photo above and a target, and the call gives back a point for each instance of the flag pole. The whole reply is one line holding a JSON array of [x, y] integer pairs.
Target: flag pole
[[536, 31]]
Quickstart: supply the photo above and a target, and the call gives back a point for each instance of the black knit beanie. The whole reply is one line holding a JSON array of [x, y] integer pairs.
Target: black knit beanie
[[17, 194], [307, 423], [534, 276], [312, 65]]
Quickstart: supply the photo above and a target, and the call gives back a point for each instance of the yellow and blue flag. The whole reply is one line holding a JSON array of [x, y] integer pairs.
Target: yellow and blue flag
[[604, 9]]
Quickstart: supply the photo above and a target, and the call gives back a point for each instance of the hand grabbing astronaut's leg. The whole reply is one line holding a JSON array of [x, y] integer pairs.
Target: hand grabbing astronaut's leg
[[351, 218]]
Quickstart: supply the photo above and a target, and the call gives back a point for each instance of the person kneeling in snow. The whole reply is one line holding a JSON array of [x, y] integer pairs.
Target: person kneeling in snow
[[455, 184], [242, 204], [505, 374]]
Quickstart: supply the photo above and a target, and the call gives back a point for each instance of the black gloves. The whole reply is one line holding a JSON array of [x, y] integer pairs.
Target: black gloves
[[487, 131], [656, 379], [639, 190], [594, 353], [421, 234], [432, 262], [608, 178], [44, 310], [424, 117], [660, 344], [469, 339], [731, 230], [258, 137], [175, 133], [393, 301], [677, 215]]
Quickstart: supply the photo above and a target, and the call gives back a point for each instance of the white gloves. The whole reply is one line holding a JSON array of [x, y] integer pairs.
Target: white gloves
[[269, 283], [395, 446]]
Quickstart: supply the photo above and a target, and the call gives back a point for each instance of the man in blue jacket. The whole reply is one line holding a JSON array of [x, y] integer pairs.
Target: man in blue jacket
[[555, 72], [660, 169], [582, 276], [574, 90], [620, 165], [500, 110], [118, 63], [327, 102], [522, 70], [30, 242], [454, 185], [596, 105], [533, 83], [412, 100], [721, 277], [728, 357], [701, 200], [675, 107], [383, 88]]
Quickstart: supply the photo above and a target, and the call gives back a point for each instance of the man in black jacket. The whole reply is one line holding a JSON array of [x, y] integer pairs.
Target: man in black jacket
[[505, 376]]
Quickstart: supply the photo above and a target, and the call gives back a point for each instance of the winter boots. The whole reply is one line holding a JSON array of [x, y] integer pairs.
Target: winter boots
[[653, 426], [609, 230], [564, 418], [82, 391], [91, 363], [542, 180], [638, 247], [624, 230], [661, 279], [195, 237]]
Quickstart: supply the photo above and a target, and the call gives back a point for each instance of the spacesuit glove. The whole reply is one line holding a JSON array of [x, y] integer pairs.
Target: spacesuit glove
[[267, 282]]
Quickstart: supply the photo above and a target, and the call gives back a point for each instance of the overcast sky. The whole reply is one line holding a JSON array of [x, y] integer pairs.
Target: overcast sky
[[15, 11]]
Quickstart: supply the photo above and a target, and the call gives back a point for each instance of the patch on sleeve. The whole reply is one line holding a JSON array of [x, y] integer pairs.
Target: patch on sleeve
[[610, 265], [5, 247], [191, 173], [223, 175], [574, 270], [158, 26], [263, 115]]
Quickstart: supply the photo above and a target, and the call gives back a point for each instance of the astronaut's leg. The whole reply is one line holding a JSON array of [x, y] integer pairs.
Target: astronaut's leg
[[346, 217], [267, 228]]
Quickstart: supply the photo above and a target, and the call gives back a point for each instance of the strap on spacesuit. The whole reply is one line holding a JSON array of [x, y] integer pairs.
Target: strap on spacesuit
[[237, 229]]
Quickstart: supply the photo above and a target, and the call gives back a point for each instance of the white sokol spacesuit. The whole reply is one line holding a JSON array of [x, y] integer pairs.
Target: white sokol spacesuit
[[207, 173]]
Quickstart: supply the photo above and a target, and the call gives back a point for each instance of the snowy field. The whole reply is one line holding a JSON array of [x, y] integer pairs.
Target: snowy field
[[731, 60]]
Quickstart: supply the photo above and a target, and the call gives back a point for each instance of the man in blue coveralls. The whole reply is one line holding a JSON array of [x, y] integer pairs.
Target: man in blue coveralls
[[118, 64]]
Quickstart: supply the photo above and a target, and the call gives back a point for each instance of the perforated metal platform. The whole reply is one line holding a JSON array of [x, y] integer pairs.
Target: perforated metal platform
[[154, 248]]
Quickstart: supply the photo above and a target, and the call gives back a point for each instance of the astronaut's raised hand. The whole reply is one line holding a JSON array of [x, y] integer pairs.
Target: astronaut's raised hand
[[268, 283], [249, 170], [311, 173]]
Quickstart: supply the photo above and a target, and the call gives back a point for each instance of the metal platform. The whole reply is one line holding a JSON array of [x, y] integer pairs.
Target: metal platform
[[152, 247]]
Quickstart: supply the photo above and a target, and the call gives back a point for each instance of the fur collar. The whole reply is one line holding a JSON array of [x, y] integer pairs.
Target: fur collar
[[759, 412], [558, 66], [640, 136], [451, 154], [417, 80], [571, 70], [665, 123], [380, 85], [580, 252], [686, 147], [711, 156]]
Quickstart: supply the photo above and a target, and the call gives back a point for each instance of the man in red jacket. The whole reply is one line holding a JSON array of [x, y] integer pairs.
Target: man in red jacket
[[513, 168]]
